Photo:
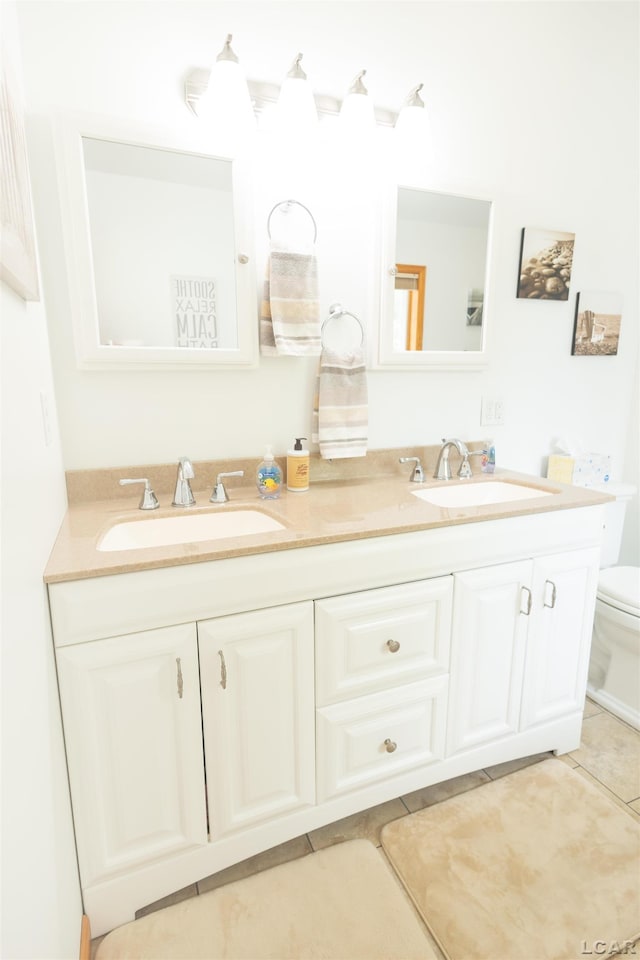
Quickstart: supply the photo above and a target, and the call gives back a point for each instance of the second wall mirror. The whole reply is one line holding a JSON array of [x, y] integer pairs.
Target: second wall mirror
[[434, 280]]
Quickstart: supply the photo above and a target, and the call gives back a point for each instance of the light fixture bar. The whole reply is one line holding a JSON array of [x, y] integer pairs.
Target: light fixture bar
[[266, 94]]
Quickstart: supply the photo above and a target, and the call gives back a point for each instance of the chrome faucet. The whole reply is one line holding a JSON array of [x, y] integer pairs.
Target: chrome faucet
[[443, 468], [183, 497]]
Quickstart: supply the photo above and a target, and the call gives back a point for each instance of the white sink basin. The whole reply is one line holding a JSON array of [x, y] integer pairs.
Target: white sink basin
[[189, 528], [466, 493]]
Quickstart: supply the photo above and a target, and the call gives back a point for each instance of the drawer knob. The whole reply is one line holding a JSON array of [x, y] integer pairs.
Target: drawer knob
[[393, 645], [390, 745]]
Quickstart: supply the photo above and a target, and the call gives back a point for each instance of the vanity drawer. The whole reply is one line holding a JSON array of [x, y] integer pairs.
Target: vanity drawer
[[377, 639], [380, 735]]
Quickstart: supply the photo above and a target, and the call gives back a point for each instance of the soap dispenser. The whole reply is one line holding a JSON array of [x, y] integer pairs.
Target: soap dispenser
[[298, 467], [488, 462], [269, 477]]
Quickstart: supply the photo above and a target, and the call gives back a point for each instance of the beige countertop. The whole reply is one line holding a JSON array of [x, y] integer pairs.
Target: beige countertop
[[350, 507]]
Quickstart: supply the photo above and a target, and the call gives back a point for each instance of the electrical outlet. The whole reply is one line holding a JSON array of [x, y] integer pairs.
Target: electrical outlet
[[492, 414]]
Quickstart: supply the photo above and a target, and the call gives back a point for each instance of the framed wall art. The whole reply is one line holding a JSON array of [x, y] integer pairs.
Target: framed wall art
[[546, 260], [18, 264], [596, 328]]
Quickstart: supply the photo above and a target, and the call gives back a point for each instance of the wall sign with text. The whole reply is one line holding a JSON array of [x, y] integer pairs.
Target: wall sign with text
[[193, 304]]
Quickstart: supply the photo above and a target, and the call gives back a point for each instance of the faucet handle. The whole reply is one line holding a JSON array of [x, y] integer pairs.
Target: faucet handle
[[219, 494], [149, 500], [417, 474]]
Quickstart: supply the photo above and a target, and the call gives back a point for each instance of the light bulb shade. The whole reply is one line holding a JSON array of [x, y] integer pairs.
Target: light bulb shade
[[356, 113], [226, 105], [412, 124], [296, 105]]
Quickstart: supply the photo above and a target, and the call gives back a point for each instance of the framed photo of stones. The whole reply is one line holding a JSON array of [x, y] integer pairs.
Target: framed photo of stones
[[546, 260], [596, 329]]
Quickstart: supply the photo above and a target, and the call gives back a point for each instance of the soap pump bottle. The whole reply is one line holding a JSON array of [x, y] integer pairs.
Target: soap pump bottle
[[298, 467], [488, 464], [269, 477]]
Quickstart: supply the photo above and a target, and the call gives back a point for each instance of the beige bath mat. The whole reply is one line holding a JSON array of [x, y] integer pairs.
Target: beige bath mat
[[342, 903], [539, 865]]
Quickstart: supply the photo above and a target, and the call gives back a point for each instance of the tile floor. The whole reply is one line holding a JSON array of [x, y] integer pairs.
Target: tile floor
[[609, 755]]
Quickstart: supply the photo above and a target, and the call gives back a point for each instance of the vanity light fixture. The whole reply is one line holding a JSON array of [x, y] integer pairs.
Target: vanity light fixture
[[296, 105], [357, 111]]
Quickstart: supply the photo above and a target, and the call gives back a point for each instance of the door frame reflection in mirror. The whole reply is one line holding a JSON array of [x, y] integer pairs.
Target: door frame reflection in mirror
[[413, 279], [386, 353], [70, 132]]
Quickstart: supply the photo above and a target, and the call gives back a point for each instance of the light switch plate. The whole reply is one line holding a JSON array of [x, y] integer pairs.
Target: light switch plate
[[492, 414]]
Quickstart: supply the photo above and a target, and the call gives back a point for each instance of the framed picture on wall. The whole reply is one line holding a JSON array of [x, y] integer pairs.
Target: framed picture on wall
[[546, 260], [596, 328], [18, 265]]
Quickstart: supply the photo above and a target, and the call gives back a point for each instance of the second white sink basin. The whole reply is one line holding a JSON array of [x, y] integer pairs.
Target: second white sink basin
[[466, 493], [187, 528]]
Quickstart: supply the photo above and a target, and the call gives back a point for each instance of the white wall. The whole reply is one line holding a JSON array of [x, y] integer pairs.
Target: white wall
[[41, 908], [528, 105]]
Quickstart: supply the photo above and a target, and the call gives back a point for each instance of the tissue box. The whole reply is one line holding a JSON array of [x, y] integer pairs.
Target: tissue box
[[583, 470]]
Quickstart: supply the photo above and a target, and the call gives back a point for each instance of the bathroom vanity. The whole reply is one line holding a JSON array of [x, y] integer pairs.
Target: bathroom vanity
[[222, 697]]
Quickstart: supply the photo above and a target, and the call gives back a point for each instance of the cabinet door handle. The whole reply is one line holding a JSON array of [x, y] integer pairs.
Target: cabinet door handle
[[527, 611], [179, 677], [390, 745], [393, 645], [223, 670], [550, 583]]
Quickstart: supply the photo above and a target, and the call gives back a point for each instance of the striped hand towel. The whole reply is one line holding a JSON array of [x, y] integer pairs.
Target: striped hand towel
[[290, 309], [340, 412]]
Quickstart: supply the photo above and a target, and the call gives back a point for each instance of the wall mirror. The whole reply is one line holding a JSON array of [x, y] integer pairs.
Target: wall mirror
[[435, 255], [158, 242]]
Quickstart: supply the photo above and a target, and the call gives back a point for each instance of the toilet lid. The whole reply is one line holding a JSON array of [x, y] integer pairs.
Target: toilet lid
[[620, 587]]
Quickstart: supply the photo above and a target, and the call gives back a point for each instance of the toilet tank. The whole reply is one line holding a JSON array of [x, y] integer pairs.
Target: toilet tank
[[614, 520]]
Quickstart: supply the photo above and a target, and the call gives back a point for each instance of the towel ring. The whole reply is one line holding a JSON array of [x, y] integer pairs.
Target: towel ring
[[336, 312], [285, 203]]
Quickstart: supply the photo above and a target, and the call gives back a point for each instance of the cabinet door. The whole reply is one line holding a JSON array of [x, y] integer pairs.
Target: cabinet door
[[132, 723], [491, 612], [258, 714], [375, 639], [564, 592]]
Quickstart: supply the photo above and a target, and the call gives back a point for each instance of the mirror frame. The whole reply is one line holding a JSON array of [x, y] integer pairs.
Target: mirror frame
[[74, 211], [384, 355]]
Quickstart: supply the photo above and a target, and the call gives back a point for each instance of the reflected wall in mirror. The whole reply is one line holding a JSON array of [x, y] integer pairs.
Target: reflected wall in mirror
[[159, 240], [441, 322], [162, 241]]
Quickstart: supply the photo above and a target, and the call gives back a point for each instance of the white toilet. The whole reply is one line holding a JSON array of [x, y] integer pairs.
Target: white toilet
[[614, 668]]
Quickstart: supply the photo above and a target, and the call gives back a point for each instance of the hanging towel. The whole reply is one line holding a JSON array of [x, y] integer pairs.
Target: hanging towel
[[340, 411], [290, 308], [267, 341]]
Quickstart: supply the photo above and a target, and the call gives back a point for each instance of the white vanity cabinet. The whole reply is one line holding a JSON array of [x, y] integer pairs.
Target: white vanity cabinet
[[258, 715], [520, 645], [309, 684], [372, 720], [131, 710]]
